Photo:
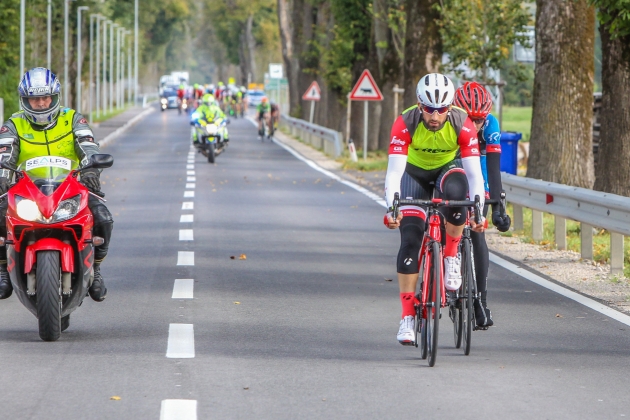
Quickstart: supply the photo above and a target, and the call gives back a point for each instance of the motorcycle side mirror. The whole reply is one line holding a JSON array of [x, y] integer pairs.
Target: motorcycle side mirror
[[99, 161]]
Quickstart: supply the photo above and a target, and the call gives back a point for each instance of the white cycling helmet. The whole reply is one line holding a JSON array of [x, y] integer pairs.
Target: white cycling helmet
[[435, 90]]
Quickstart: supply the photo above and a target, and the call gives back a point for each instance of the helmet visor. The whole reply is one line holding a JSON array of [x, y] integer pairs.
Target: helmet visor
[[40, 104]]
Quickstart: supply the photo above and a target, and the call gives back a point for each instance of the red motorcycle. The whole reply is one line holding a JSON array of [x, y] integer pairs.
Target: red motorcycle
[[50, 247]]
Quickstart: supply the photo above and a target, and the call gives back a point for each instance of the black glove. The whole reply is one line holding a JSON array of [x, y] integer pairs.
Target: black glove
[[502, 223], [91, 179], [4, 185]]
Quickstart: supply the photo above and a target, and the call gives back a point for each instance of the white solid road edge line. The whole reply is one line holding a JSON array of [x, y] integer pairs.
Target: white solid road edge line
[[589, 303], [183, 289], [119, 131], [178, 410], [181, 341], [603, 309]]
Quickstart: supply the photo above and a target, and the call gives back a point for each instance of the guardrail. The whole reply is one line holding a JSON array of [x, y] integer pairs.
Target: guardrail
[[330, 141], [591, 208]]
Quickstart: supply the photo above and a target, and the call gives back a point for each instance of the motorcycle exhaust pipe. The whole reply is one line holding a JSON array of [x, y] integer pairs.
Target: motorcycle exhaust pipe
[[31, 284], [66, 283]]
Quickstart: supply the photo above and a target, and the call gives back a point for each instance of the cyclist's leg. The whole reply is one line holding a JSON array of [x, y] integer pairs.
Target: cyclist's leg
[[483, 316], [452, 184], [412, 228]]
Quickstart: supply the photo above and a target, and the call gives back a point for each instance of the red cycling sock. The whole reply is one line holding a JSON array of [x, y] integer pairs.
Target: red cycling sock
[[407, 304], [450, 250]]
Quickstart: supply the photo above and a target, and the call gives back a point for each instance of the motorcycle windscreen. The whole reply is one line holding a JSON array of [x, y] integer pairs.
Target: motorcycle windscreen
[[48, 172]]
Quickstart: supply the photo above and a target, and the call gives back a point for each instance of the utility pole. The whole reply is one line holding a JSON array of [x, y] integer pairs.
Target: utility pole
[[22, 37], [107, 22], [97, 49], [90, 86], [77, 91], [49, 36], [111, 66], [135, 40], [66, 55]]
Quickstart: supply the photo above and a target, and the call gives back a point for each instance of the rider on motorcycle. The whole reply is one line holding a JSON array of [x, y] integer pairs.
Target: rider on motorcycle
[[210, 113], [44, 128]]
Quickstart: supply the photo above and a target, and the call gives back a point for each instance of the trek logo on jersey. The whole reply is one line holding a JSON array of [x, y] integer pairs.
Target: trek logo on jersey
[[435, 151], [396, 140], [466, 129], [406, 130]]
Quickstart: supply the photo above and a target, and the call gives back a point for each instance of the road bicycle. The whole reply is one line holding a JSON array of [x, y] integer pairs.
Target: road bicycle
[[461, 309], [431, 296]]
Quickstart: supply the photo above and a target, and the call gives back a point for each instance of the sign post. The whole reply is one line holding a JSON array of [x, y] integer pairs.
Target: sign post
[[396, 91], [313, 94], [365, 90], [275, 72]]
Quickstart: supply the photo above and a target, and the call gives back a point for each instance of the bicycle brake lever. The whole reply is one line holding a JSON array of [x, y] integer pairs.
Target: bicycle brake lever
[[395, 206], [477, 209], [502, 205]]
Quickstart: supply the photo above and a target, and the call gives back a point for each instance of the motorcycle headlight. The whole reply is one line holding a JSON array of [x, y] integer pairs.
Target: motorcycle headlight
[[211, 129], [164, 101], [28, 210], [67, 209]]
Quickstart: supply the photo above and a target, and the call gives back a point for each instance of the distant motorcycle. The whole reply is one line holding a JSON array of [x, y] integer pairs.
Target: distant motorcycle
[[210, 141], [50, 246]]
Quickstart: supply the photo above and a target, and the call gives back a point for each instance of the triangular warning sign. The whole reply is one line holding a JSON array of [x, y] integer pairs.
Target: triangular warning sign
[[312, 93], [366, 89]]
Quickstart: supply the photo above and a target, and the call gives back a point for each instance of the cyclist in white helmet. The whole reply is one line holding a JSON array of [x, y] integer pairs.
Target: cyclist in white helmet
[[431, 143]]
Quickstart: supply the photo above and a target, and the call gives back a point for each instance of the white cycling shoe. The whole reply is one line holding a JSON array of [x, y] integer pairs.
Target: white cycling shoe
[[452, 273], [406, 332]]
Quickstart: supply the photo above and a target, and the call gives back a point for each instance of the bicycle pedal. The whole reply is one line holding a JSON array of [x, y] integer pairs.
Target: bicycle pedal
[[477, 328]]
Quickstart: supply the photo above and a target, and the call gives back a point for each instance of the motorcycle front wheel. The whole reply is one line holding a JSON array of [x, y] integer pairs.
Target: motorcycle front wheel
[[211, 152], [49, 295]]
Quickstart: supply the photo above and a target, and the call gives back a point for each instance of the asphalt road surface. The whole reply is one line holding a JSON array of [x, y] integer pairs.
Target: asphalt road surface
[[283, 310]]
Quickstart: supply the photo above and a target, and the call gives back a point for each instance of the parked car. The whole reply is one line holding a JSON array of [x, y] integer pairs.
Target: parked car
[[254, 97]]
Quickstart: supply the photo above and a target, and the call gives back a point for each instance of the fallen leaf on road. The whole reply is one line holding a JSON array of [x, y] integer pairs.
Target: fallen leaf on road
[[246, 388], [237, 303], [242, 257], [115, 398], [232, 257], [559, 316], [386, 279]]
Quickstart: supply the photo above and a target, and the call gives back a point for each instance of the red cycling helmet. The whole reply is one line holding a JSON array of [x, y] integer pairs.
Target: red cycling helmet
[[473, 98]]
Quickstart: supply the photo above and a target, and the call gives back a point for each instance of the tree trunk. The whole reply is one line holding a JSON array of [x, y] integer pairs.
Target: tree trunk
[[613, 155], [251, 48], [290, 36], [561, 147], [423, 46]]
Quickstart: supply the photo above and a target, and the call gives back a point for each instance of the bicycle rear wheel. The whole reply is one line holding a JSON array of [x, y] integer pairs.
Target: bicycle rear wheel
[[467, 293], [435, 299], [458, 318]]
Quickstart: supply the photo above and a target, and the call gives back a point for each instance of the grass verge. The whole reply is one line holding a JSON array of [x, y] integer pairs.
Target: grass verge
[[601, 238], [106, 116], [516, 118]]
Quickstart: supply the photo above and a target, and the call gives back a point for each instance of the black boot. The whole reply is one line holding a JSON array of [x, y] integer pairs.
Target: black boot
[[6, 288], [97, 290], [483, 315]]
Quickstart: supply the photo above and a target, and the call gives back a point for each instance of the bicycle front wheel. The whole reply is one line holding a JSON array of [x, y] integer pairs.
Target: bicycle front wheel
[[467, 293], [435, 299]]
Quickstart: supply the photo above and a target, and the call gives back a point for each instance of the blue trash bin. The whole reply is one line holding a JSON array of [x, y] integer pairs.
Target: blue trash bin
[[509, 151]]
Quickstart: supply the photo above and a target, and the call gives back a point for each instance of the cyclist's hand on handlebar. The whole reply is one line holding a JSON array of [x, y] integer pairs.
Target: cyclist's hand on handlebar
[[501, 222], [389, 221], [480, 227]]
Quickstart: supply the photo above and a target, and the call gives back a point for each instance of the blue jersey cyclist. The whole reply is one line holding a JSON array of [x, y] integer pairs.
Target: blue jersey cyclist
[[477, 102]]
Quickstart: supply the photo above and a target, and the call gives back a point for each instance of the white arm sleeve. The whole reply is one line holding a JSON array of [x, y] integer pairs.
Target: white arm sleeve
[[395, 170], [472, 167]]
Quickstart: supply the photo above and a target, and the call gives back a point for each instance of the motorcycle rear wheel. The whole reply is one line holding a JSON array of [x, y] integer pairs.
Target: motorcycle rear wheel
[[49, 295]]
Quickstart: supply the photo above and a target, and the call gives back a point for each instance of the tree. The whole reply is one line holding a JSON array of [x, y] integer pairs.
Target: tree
[[561, 134], [612, 169], [479, 34]]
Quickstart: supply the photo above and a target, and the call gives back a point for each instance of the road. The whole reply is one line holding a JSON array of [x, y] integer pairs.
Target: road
[[292, 312]]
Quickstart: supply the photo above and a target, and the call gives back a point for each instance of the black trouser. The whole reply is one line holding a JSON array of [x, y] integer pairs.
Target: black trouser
[[482, 258], [103, 225]]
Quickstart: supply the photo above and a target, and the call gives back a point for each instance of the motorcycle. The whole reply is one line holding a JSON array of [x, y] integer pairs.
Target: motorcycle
[[163, 104], [183, 106], [210, 141], [50, 246]]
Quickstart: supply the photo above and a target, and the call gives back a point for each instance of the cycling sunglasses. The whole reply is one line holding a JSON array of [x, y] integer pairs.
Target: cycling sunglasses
[[478, 120], [430, 110]]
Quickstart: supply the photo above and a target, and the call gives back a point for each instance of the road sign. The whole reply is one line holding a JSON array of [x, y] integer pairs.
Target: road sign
[[366, 89], [313, 93], [275, 71]]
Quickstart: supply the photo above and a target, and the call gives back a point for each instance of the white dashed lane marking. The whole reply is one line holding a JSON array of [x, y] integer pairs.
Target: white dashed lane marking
[[185, 234], [186, 218], [190, 166], [188, 205], [183, 288], [178, 410], [185, 258], [191, 179], [189, 193], [190, 186], [190, 172], [181, 341]]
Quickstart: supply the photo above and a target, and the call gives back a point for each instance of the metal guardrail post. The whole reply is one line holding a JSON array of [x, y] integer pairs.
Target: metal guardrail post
[[560, 232], [586, 241], [518, 216], [616, 254], [1, 111], [537, 225]]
